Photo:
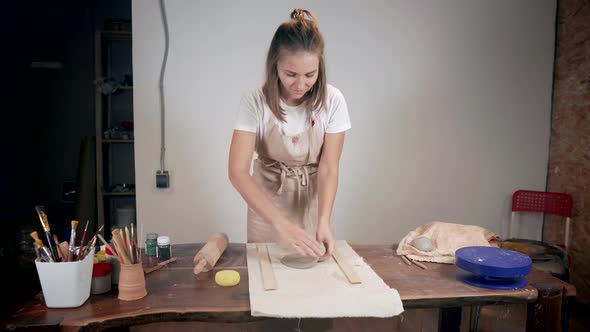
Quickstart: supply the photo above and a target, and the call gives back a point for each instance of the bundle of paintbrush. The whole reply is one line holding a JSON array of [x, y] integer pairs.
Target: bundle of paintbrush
[[64, 251], [125, 245]]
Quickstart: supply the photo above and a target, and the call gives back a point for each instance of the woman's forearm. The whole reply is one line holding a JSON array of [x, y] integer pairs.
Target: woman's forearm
[[327, 187]]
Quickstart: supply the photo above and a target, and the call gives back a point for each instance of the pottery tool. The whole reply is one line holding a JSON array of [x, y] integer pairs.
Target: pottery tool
[[159, 265], [72, 246], [268, 277], [120, 246], [492, 267], [43, 251], [420, 265], [206, 258], [134, 245], [64, 247], [129, 245], [140, 241], [406, 260], [349, 272], [45, 223]]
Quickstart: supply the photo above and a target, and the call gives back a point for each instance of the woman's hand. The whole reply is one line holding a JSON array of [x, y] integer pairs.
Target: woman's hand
[[298, 238], [326, 238]]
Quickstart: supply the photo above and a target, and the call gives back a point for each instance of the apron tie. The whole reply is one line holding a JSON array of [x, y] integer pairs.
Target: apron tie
[[301, 172]]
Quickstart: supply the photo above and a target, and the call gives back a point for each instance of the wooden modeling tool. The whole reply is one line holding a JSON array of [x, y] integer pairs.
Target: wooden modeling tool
[[406, 260], [410, 261], [350, 273], [72, 246], [140, 242], [159, 266], [134, 245], [419, 264], [268, 277], [206, 258], [65, 248], [120, 246], [129, 246]]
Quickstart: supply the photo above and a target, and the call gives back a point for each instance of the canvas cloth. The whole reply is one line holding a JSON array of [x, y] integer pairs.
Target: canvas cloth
[[321, 291], [446, 238]]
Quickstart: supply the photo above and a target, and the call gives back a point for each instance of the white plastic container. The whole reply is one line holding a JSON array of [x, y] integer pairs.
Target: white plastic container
[[66, 285]]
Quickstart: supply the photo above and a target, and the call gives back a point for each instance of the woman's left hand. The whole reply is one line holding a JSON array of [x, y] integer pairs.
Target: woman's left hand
[[324, 236]]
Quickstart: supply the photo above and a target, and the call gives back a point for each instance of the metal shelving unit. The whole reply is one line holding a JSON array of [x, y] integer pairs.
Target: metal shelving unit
[[114, 156]]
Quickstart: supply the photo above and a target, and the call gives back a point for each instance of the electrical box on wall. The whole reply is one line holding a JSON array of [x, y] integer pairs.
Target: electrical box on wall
[[162, 179]]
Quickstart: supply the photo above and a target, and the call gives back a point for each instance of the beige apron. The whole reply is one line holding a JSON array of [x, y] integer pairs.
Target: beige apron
[[286, 170]]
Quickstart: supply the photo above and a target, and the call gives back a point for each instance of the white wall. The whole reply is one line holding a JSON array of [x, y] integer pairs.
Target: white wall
[[450, 103]]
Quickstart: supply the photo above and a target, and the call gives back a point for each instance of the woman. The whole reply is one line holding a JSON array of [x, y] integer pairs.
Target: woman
[[296, 124]]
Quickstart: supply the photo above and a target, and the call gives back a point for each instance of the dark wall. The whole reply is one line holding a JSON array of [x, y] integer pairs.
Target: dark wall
[[47, 113], [569, 161]]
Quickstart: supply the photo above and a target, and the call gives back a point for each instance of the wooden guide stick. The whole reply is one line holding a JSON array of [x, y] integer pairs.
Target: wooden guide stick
[[349, 272], [268, 276]]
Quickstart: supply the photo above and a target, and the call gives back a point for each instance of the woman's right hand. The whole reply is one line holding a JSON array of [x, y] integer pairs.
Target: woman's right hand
[[298, 238]]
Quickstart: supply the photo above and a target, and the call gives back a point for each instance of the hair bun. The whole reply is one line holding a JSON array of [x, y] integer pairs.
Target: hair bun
[[300, 13]]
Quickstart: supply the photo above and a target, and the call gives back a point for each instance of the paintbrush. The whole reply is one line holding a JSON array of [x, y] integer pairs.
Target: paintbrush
[[89, 247], [72, 245], [108, 245], [62, 256], [44, 254], [84, 235], [45, 223], [92, 241]]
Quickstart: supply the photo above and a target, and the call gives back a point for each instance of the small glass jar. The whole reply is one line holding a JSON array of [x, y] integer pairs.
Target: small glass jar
[[151, 244], [164, 248]]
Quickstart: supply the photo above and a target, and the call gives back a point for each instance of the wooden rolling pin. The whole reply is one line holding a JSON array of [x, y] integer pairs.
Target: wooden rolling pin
[[206, 258]]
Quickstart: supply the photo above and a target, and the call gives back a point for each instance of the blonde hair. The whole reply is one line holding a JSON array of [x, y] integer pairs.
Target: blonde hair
[[300, 33]]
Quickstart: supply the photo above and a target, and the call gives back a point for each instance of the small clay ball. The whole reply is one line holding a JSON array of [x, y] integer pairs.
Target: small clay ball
[[422, 243]]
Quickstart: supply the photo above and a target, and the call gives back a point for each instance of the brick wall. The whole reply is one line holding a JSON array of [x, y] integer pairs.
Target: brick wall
[[569, 159]]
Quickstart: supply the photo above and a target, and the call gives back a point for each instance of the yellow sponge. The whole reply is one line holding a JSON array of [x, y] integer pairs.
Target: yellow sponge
[[227, 278]]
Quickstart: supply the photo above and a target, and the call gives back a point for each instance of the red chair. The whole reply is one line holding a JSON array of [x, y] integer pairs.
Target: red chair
[[546, 257], [544, 202]]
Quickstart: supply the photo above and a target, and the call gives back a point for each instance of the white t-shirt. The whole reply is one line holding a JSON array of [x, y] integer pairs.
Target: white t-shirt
[[254, 115]]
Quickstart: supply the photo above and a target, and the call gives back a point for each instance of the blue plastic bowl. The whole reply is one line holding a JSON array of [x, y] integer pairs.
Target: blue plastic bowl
[[493, 262]]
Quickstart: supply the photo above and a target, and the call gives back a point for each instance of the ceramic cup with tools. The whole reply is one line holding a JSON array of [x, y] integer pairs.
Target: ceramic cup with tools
[[131, 282]]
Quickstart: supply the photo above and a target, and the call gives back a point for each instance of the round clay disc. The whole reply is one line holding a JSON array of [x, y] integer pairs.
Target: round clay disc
[[299, 262]]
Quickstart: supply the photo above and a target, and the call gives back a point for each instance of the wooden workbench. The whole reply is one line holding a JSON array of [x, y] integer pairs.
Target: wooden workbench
[[432, 298]]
